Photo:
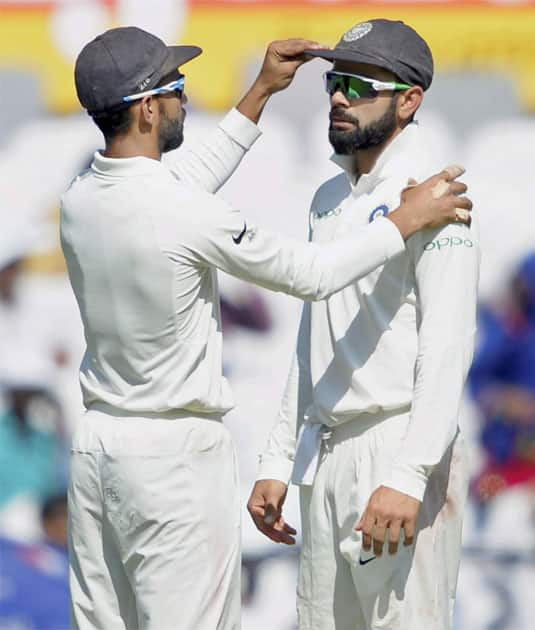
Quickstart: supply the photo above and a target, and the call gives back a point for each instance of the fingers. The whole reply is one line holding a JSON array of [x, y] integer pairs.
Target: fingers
[[296, 46], [279, 532], [451, 172], [440, 188], [294, 50], [409, 527], [379, 534], [366, 525], [393, 536], [388, 510], [463, 202], [265, 508], [366, 542], [457, 188], [271, 514], [443, 178], [289, 529], [463, 216]]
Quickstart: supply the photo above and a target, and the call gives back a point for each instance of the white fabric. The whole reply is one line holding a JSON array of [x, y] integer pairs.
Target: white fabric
[[307, 453], [343, 587], [403, 335], [141, 244], [154, 524]]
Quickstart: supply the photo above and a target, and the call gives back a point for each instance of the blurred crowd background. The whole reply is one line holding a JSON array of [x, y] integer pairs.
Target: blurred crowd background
[[479, 112]]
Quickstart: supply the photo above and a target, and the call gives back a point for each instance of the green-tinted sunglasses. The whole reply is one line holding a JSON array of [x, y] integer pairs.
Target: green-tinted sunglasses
[[356, 86]]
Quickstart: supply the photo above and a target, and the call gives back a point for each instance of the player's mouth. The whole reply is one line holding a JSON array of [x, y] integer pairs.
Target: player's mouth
[[339, 120], [338, 123]]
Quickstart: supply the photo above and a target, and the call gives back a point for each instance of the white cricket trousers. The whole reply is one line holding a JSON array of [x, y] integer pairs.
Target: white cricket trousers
[[342, 587], [154, 524]]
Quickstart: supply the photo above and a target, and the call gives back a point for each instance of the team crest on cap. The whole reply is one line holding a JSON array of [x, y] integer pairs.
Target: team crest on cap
[[357, 32], [380, 211]]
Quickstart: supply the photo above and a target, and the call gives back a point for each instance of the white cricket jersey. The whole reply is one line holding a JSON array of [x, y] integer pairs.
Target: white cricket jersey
[[402, 337], [142, 239]]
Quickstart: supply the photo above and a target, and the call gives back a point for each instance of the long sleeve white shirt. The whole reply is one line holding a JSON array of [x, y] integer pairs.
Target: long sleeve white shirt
[[142, 240], [402, 337]]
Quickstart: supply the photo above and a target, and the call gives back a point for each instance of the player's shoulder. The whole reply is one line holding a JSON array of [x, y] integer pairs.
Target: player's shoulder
[[77, 180], [75, 190]]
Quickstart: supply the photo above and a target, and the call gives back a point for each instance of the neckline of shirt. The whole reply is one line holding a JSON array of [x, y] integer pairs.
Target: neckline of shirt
[[124, 167]]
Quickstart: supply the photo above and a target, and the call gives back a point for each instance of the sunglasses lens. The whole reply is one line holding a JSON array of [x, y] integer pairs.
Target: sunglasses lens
[[352, 87], [333, 82]]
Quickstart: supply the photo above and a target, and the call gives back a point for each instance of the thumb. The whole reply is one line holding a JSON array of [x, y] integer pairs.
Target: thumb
[[271, 514]]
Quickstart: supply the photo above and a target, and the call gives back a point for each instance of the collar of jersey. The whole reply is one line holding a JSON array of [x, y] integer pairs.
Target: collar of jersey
[[125, 167], [403, 145]]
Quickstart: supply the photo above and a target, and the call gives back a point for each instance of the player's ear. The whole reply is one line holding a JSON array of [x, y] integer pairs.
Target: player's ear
[[148, 111], [408, 102]]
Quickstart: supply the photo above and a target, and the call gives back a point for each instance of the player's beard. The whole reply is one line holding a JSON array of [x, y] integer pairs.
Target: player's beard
[[372, 135], [171, 131]]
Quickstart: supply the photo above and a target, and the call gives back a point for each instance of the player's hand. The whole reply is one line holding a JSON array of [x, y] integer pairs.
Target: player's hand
[[433, 203], [281, 62], [280, 65], [391, 511], [265, 507]]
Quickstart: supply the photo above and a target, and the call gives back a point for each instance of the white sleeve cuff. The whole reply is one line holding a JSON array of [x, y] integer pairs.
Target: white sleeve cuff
[[241, 129], [393, 241], [275, 468], [407, 479]]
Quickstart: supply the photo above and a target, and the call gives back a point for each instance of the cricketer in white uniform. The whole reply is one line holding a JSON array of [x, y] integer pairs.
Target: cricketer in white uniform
[[153, 500], [372, 399]]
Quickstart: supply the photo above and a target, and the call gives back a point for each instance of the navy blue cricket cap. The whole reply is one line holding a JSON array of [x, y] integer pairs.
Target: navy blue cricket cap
[[388, 44], [124, 61]]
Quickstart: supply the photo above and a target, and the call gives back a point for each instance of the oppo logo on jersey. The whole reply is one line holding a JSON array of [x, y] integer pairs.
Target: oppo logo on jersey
[[447, 241]]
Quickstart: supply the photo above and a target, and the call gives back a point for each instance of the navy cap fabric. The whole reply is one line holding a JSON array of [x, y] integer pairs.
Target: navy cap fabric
[[124, 61], [388, 44]]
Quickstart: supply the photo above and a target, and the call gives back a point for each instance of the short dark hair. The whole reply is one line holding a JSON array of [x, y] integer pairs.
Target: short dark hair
[[114, 123]]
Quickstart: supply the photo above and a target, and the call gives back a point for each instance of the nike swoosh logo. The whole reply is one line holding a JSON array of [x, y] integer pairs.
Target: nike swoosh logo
[[363, 562], [238, 239]]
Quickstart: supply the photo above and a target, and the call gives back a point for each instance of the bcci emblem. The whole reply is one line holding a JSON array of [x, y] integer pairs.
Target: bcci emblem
[[357, 32], [380, 211]]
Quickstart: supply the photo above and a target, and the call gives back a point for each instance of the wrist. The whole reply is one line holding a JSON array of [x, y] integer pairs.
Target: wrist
[[405, 222], [253, 103], [260, 89]]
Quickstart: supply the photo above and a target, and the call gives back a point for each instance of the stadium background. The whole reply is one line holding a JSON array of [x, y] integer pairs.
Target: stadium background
[[479, 112]]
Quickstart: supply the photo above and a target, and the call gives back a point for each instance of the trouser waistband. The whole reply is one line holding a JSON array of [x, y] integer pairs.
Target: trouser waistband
[[172, 414], [363, 422], [311, 435]]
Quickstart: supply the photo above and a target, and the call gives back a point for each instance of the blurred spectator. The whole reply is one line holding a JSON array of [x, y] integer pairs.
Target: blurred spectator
[[34, 590], [33, 332], [502, 382], [249, 312], [32, 457]]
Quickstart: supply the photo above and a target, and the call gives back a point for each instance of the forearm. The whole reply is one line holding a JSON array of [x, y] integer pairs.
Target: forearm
[[277, 460], [253, 103], [440, 378], [446, 273], [309, 271]]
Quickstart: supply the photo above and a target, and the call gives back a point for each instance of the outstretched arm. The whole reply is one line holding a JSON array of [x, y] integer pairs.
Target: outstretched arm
[[222, 237], [209, 164]]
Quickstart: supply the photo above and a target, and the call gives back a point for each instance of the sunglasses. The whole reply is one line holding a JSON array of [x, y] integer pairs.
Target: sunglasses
[[356, 86], [175, 86]]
